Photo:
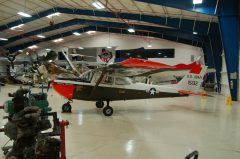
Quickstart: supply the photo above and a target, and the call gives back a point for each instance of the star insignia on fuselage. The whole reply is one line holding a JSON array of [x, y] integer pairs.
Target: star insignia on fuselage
[[152, 91]]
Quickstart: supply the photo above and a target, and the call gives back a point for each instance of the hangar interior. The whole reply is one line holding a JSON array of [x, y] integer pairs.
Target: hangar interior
[[71, 41]]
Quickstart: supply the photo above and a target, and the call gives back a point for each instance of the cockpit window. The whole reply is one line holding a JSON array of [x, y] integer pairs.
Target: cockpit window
[[87, 77], [106, 79], [122, 81]]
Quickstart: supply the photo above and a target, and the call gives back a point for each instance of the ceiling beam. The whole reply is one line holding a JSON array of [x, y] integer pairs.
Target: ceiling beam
[[207, 6], [161, 30], [100, 29], [186, 24]]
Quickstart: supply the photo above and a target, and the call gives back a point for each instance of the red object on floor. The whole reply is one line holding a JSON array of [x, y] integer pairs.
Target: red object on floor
[[63, 124]]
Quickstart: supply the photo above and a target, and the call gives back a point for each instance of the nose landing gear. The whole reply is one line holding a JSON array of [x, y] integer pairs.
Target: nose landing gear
[[66, 107]]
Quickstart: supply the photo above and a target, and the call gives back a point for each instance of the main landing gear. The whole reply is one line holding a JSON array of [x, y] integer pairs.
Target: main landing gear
[[66, 107], [107, 110]]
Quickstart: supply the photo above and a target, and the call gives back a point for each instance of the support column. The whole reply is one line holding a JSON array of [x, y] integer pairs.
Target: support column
[[229, 26], [214, 49], [229, 20], [209, 59]]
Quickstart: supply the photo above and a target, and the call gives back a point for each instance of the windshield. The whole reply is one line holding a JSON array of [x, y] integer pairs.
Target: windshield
[[87, 76], [105, 80], [122, 81]]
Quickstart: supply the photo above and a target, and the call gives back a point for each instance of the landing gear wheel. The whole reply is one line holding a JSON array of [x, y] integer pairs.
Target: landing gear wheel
[[108, 111], [100, 104], [66, 108]]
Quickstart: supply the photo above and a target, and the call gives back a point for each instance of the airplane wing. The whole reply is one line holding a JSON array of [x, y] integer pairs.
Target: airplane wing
[[71, 65], [136, 67], [74, 55]]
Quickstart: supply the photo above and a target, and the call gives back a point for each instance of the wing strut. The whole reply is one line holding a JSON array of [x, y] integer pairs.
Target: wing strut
[[71, 64], [97, 83]]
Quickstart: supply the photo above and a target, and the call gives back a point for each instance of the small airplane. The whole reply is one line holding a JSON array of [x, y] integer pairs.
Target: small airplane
[[44, 68], [113, 82]]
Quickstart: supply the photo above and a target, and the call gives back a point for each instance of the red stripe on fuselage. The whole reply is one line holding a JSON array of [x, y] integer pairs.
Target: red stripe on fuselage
[[65, 90]]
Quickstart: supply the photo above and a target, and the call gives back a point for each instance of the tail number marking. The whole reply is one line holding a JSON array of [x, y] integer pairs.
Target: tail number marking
[[194, 76], [193, 83]]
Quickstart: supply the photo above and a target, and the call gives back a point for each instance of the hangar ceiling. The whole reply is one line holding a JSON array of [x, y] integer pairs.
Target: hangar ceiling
[[118, 15]]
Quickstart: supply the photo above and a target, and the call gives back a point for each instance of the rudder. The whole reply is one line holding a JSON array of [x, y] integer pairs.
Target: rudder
[[193, 79]]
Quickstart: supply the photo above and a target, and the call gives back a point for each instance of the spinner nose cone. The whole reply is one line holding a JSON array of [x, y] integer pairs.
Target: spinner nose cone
[[65, 90]]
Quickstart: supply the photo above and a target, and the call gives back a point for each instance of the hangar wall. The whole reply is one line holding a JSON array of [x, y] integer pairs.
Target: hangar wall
[[183, 52]]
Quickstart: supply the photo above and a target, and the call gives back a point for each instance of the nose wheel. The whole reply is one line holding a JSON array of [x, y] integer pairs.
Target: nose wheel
[[67, 108]]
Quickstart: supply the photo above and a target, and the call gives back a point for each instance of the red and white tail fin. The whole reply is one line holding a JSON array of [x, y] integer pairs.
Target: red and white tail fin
[[182, 66], [193, 79]]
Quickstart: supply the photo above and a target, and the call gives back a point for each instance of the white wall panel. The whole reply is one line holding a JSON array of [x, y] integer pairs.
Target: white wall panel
[[120, 42]]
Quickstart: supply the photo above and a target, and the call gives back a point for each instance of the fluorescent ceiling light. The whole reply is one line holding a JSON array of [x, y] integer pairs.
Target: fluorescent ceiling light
[[109, 47], [24, 14], [58, 40], [20, 50], [76, 33], [18, 26], [149, 45], [81, 48], [48, 49], [98, 5], [91, 32], [195, 32], [197, 1], [131, 30], [41, 36], [3, 39], [32, 47], [53, 14]]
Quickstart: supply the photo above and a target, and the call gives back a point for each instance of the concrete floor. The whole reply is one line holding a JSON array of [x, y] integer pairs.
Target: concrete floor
[[148, 129]]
